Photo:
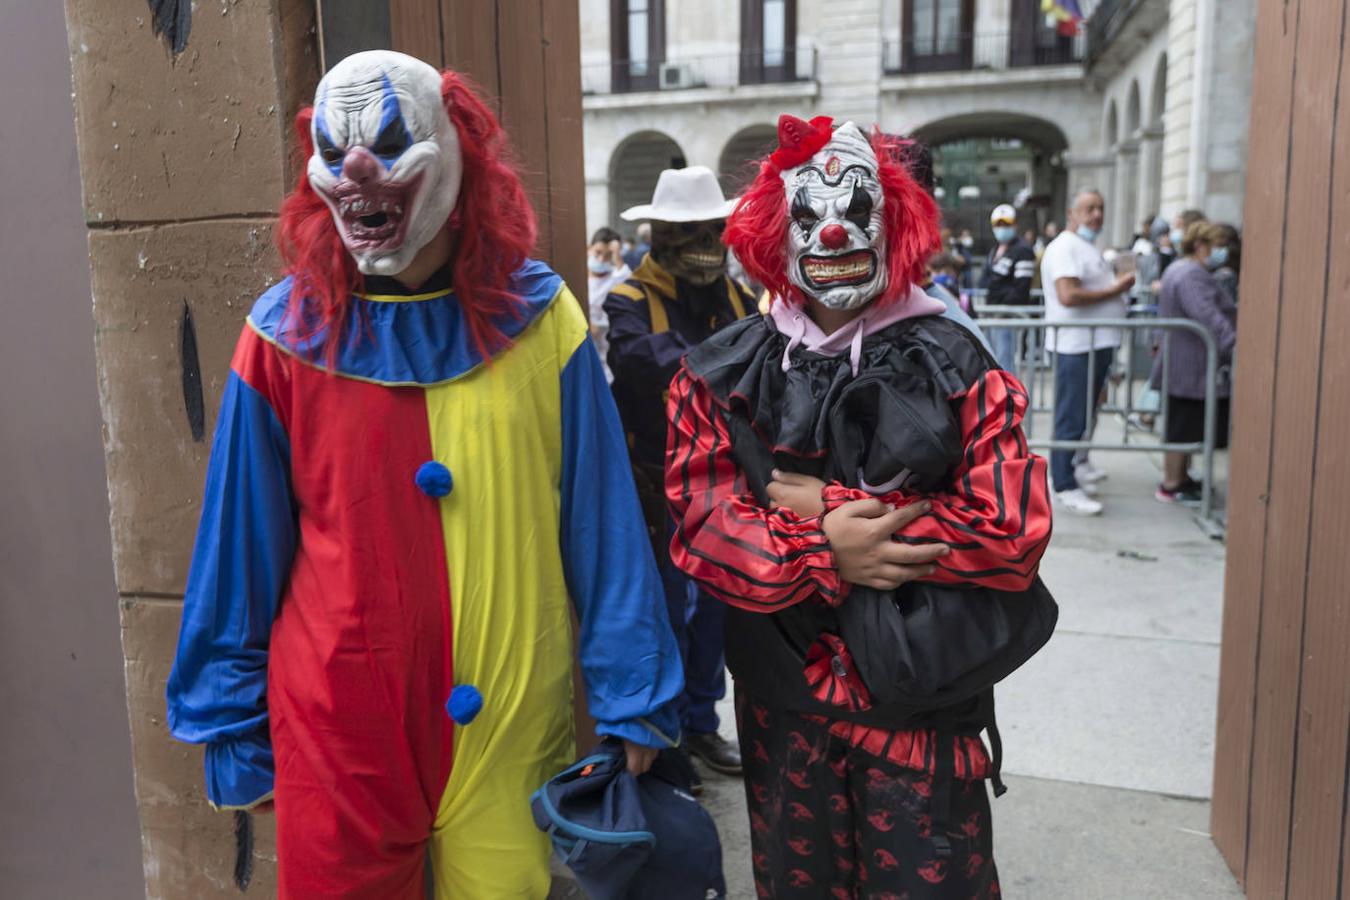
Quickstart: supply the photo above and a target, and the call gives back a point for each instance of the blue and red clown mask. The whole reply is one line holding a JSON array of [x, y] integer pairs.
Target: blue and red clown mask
[[387, 159]]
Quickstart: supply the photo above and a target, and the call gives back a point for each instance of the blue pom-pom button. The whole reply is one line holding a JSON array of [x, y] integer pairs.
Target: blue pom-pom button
[[465, 703], [434, 479]]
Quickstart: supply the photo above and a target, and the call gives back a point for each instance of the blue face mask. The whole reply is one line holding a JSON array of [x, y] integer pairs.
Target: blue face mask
[[1086, 233], [947, 281], [1005, 234], [1176, 234], [1218, 258], [599, 267]]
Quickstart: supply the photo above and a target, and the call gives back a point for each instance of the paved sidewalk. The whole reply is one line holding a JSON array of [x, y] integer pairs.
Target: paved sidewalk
[[1108, 732]]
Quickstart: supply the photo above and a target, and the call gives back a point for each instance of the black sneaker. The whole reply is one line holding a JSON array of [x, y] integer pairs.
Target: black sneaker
[[719, 754]]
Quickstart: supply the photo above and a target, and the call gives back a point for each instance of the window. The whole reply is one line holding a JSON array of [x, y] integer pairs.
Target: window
[[775, 33], [768, 41], [637, 43], [937, 35], [639, 57]]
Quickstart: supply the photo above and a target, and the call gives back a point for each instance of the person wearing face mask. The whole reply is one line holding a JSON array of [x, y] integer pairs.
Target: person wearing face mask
[[678, 296], [640, 247], [1180, 222], [848, 445], [607, 269], [417, 478], [1225, 259], [1190, 291], [1007, 277], [963, 245], [1080, 284]]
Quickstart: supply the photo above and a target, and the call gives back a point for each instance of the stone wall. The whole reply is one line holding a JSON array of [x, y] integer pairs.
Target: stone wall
[[184, 162]]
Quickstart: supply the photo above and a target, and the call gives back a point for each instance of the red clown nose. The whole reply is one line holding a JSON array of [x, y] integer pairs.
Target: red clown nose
[[833, 236], [360, 165]]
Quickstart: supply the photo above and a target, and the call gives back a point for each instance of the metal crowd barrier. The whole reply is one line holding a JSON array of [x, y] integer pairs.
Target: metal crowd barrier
[[1034, 365]]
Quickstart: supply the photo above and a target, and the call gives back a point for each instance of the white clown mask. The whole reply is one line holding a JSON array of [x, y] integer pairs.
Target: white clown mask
[[386, 157], [837, 239]]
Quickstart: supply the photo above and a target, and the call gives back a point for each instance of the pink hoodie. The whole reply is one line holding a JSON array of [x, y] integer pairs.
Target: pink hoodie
[[803, 332]]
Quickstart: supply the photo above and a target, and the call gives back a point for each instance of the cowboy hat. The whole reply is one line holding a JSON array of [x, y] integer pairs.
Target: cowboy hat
[[683, 195]]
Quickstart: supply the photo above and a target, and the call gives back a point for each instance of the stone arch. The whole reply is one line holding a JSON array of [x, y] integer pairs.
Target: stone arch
[[1158, 93], [735, 164], [1132, 111], [634, 168], [1111, 132], [990, 157]]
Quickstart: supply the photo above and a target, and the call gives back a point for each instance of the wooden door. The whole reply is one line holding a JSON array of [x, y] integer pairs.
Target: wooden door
[[1283, 739]]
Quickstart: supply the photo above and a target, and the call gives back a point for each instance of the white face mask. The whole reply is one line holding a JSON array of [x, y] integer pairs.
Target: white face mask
[[386, 157], [837, 240]]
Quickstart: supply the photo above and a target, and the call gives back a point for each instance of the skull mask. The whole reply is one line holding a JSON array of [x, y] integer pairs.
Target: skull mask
[[691, 251], [386, 157], [837, 239]]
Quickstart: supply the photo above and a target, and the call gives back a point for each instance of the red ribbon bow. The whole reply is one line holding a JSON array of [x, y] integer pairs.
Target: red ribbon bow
[[798, 140]]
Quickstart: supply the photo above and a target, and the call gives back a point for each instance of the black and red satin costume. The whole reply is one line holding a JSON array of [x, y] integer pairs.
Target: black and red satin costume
[[811, 739]]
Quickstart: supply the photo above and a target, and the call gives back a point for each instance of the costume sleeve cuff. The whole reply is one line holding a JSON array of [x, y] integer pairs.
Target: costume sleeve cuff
[[239, 772], [659, 730], [819, 556]]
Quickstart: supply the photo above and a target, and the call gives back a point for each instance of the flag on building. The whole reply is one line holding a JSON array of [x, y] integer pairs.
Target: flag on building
[[1065, 14]]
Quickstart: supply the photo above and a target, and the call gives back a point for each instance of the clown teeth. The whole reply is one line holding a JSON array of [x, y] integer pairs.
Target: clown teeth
[[838, 271]]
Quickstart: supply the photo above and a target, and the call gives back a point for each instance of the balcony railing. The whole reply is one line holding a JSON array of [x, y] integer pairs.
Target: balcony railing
[[971, 52], [721, 71], [1104, 22]]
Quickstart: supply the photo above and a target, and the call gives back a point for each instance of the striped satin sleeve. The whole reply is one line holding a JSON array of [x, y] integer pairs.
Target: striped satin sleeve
[[758, 559], [995, 512], [628, 653], [217, 690]]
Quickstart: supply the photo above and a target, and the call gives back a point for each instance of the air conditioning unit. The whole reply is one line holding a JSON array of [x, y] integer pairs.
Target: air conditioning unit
[[675, 76]]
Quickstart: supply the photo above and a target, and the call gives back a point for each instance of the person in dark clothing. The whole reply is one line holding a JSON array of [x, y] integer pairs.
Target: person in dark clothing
[[1007, 279], [794, 439], [678, 295], [1190, 291], [1225, 259], [641, 247]]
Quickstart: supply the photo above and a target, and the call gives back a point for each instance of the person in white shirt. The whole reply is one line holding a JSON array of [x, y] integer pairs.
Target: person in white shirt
[[604, 258], [1080, 284]]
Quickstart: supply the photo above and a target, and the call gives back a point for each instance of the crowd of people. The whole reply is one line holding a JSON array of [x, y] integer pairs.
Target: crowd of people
[[1065, 274], [1075, 280], [428, 463], [692, 350]]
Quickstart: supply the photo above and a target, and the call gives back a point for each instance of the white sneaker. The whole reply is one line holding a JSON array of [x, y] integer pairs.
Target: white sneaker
[[1087, 473], [1078, 502]]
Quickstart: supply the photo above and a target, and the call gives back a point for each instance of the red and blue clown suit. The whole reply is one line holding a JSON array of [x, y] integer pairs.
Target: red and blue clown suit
[[396, 531]]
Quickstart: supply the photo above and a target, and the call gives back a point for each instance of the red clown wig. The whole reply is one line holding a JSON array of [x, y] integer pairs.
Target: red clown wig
[[757, 231], [492, 223]]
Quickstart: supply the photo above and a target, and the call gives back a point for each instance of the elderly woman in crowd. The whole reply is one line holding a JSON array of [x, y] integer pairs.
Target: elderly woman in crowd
[[1190, 291]]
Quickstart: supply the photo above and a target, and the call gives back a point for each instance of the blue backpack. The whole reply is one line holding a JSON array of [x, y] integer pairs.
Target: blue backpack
[[627, 838]]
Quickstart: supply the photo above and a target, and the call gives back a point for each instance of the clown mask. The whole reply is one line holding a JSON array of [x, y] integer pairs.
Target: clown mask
[[386, 157], [691, 251], [837, 240]]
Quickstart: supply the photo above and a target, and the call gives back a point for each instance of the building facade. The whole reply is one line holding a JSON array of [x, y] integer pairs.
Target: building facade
[[1013, 110]]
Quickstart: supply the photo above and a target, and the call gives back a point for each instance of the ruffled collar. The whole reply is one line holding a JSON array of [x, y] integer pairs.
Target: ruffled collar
[[878, 417], [399, 336]]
